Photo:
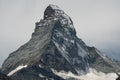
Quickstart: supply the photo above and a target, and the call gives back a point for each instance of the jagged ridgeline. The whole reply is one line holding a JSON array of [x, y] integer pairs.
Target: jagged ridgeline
[[53, 48]]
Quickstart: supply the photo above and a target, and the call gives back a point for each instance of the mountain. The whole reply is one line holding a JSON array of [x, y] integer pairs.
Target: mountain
[[55, 50]]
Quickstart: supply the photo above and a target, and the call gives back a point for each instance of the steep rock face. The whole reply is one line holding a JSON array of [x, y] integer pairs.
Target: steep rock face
[[54, 46], [102, 63]]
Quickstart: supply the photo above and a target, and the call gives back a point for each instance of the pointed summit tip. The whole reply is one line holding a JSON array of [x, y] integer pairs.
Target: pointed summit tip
[[51, 10], [54, 7]]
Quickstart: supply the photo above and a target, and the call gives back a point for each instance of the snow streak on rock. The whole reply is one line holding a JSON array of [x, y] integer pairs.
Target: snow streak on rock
[[92, 75], [17, 69]]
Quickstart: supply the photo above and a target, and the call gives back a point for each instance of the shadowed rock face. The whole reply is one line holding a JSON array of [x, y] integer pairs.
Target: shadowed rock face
[[4, 76], [118, 76], [55, 46]]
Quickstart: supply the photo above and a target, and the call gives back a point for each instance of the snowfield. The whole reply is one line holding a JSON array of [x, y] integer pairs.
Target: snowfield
[[92, 75]]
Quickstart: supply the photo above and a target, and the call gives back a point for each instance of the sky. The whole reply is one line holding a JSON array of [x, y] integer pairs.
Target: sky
[[97, 23]]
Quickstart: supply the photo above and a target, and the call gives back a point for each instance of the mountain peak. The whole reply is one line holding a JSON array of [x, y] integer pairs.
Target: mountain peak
[[55, 7], [54, 47], [52, 10]]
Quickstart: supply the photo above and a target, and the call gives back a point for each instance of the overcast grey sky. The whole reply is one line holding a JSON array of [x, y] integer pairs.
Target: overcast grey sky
[[97, 22]]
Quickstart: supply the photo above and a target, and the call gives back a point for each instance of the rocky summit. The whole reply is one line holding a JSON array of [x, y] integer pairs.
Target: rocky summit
[[54, 50]]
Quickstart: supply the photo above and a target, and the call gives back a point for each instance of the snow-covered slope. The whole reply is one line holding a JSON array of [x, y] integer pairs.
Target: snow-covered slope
[[92, 75], [55, 46]]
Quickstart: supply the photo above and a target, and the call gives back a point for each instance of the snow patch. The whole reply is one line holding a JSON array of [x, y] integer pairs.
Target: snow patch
[[39, 25], [72, 41], [55, 18], [64, 21], [17, 69], [92, 75], [41, 76], [40, 66]]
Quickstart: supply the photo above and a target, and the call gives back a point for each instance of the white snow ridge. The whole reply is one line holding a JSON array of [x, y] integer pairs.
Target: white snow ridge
[[17, 69], [92, 75]]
